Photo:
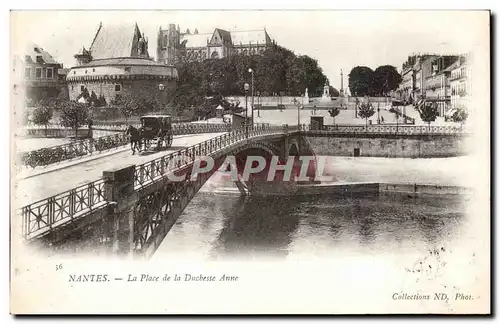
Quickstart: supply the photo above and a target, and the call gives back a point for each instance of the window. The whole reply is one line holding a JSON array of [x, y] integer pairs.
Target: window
[[118, 88], [127, 69], [72, 87], [38, 73], [82, 87], [50, 73], [85, 71], [74, 72], [27, 72], [93, 70]]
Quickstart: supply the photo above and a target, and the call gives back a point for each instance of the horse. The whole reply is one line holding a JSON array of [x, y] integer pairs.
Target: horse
[[135, 138]]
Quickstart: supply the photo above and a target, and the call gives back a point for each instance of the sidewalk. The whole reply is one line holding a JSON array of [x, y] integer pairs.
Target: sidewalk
[[28, 172]]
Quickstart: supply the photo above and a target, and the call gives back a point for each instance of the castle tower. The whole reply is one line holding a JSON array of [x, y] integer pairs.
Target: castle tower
[[168, 45], [83, 57]]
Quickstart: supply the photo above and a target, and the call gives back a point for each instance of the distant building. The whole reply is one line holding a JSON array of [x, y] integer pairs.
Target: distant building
[[426, 76], [460, 92], [35, 73], [174, 46], [405, 90], [437, 85], [118, 63]]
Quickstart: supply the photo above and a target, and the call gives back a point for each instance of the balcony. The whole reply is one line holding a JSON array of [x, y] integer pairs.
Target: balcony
[[458, 77]]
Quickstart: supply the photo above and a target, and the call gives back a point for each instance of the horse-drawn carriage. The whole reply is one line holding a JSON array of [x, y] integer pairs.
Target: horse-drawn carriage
[[155, 132]]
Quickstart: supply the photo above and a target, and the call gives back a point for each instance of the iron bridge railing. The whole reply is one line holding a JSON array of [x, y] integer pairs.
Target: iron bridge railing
[[59, 153], [43, 215], [385, 129], [46, 214], [151, 171]]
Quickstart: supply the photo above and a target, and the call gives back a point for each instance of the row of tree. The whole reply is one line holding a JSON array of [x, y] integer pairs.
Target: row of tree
[[276, 71], [363, 81], [427, 111], [72, 114]]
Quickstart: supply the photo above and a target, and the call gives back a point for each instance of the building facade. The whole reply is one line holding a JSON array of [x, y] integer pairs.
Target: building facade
[[118, 63], [460, 88], [437, 84], [405, 91], [35, 73], [174, 46]]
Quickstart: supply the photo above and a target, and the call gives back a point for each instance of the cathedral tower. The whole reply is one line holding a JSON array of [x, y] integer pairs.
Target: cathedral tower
[[168, 45]]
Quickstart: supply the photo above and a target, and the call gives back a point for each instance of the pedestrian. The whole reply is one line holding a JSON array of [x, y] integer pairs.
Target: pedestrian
[[382, 119]]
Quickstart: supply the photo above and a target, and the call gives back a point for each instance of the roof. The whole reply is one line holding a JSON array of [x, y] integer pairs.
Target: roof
[[63, 71], [33, 51], [453, 66], [115, 41], [121, 61], [224, 34], [235, 37], [195, 40], [247, 36]]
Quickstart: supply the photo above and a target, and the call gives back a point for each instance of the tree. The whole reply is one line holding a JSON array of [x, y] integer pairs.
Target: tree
[[333, 92], [26, 117], [334, 112], [460, 116], [360, 81], [315, 79], [365, 111], [428, 112], [93, 99], [127, 105], [42, 114], [85, 94], [73, 114], [385, 79], [101, 101], [276, 70]]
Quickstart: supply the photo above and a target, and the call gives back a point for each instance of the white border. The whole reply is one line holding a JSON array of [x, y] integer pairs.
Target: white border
[[255, 4]]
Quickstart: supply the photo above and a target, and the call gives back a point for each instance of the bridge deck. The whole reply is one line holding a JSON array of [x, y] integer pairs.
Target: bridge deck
[[45, 185]]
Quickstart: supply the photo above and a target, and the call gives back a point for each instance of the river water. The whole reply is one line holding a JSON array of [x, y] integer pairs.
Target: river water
[[227, 226]]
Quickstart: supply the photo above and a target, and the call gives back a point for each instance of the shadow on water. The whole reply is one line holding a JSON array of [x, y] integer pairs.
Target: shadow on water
[[256, 226]]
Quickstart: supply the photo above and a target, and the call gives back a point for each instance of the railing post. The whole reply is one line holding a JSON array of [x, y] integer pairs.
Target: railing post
[[119, 189]]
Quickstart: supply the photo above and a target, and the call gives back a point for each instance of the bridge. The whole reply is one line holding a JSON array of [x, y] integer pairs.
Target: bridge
[[85, 147], [130, 208]]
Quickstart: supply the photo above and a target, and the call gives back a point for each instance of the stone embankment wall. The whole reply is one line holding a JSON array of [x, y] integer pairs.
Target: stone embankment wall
[[421, 146]]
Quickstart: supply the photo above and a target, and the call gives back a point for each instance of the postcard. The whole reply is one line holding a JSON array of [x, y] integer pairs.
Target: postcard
[[250, 162]]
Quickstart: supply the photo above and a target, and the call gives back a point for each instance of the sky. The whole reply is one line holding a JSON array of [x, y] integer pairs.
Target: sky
[[337, 39]]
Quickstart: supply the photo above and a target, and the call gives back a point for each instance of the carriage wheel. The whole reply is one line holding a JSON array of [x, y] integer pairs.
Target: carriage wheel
[[147, 144], [159, 143], [168, 140]]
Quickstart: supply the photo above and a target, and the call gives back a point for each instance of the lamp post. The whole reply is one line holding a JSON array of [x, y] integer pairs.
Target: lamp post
[[378, 113], [356, 108], [251, 71], [298, 111], [246, 86], [259, 103], [161, 87]]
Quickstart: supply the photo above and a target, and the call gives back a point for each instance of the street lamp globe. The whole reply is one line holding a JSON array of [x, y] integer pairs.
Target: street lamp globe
[[161, 86], [250, 70]]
